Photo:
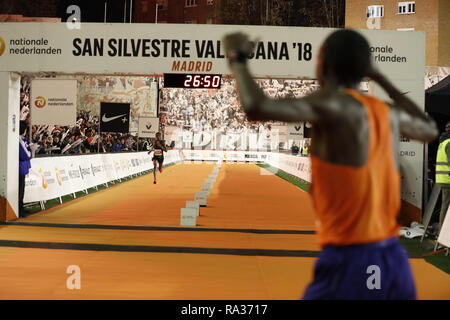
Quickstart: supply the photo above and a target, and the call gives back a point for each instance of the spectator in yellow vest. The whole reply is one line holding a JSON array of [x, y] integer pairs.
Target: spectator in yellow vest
[[305, 150], [443, 170]]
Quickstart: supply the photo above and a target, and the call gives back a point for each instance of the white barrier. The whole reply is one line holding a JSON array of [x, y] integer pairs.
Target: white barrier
[[53, 177], [444, 234], [294, 165], [206, 188], [201, 198], [188, 217], [193, 205], [221, 155]]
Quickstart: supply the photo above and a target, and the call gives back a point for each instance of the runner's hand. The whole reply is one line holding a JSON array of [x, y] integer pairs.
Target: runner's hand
[[237, 43]]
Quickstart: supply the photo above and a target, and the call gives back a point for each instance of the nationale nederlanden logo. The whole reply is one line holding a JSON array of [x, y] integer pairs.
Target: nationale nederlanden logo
[[2, 46], [40, 102]]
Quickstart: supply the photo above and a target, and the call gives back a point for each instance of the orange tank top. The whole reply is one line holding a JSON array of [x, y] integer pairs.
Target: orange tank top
[[357, 205]]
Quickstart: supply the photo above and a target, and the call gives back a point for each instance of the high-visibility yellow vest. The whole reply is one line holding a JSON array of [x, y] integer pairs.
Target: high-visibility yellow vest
[[442, 167], [305, 151]]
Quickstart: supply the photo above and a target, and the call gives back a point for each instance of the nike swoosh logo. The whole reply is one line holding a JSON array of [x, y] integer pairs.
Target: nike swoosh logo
[[405, 93], [106, 119]]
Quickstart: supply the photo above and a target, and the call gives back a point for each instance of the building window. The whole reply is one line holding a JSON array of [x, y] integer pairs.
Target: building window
[[210, 2], [375, 11], [191, 3], [406, 7]]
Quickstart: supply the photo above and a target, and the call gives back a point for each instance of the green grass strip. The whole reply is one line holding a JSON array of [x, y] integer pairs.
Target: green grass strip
[[414, 246], [302, 184]]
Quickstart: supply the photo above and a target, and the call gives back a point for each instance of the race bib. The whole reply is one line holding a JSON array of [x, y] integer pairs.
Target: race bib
[[158, 152]]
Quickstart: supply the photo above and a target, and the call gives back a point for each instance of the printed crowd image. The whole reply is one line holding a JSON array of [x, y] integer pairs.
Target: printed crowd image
[[189, 110], [225, 159]]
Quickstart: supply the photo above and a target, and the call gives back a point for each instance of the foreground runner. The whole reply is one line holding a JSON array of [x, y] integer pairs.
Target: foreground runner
[[355, 170], [159, 147]]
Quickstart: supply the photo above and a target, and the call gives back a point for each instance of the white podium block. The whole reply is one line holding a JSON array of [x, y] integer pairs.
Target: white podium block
[[201, 198], [206, 187], [193, 205], [188, 217]]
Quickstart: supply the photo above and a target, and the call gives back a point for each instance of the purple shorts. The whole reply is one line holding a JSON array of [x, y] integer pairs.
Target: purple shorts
[[376, 271]]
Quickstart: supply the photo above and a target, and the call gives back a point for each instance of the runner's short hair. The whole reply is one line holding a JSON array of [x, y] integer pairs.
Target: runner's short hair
[[347, 54]]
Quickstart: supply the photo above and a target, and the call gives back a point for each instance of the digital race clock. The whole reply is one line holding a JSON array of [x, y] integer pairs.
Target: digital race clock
[[192, 81]]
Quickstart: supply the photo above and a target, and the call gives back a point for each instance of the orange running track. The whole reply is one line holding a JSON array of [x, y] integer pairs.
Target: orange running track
[[150, 257]]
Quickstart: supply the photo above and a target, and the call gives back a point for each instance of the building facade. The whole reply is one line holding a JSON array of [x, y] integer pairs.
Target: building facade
[[430, 16], [176, 11], [21, 18]]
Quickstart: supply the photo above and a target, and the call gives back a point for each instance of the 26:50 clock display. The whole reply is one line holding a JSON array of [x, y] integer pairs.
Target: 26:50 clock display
[[206, 81], [194, 81]]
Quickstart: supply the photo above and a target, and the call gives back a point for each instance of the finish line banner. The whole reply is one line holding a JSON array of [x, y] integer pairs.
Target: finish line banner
[[155, 49], [283, 52]]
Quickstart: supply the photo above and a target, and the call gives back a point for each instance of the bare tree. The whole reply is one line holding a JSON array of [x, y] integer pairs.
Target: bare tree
[[334, 12], [247, 12], [27, 8], [314, 13]]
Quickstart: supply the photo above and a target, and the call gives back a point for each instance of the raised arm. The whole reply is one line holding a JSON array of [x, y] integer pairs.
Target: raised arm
[[256, 104], [413, 123]]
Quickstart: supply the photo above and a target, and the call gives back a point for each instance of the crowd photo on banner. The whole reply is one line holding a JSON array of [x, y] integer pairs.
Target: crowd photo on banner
[[189, 110]]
